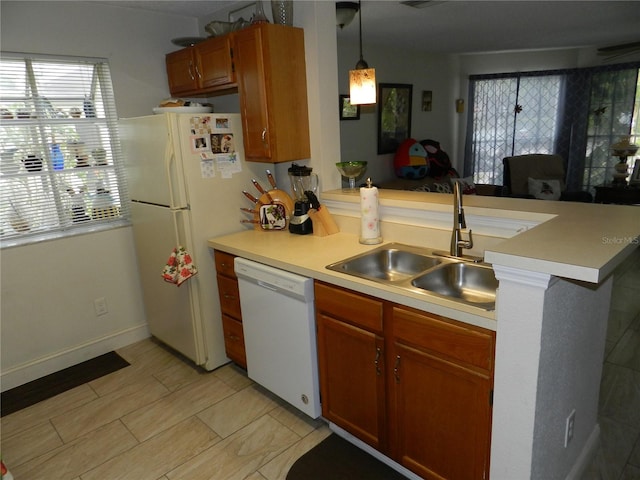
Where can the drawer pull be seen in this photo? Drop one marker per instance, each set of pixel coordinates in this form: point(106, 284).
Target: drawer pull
point(229, 296)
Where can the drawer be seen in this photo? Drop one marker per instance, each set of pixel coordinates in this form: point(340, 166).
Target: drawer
point(229, 296)
point(447, 338)
point(224, 263)
point(355, 308)
point(234, 340)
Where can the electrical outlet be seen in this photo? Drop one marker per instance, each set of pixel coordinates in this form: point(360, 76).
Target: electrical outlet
point(100, 306)
point(569, 427)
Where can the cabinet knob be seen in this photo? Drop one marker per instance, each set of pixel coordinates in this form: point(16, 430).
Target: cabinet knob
point(396, 369)
point(191, 71)
point(264, 135)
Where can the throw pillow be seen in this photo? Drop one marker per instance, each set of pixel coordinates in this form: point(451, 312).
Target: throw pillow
point(467, 187)
point(410, 160)
point(434, 188)
point(438, 160)
point(544, 189)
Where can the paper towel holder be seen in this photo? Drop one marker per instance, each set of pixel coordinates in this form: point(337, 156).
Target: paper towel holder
point(369, 221)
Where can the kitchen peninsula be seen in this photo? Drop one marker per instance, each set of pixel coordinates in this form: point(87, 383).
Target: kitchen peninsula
point(553, 261)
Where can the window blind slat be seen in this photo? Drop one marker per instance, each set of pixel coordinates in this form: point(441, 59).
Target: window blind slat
point(60, 166)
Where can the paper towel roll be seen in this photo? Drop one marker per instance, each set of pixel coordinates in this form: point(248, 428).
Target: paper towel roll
point(369, 220)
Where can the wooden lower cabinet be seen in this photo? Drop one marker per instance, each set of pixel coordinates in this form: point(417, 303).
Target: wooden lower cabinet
point(441, 404)
point(350, 356)
point(419, 390)
point(230, 307)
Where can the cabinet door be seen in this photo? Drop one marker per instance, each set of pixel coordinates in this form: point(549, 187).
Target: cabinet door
point(272, 83)
point(253, 95)
point(442, 414)
point(215, 62)
point(352, 379)
point(181, 71)
point(440, 395)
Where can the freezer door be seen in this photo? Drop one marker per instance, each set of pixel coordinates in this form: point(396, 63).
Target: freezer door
point(171, 310)
point(154, 174)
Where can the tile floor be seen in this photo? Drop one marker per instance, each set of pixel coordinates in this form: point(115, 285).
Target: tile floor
point(161, 419)
point(618, 457)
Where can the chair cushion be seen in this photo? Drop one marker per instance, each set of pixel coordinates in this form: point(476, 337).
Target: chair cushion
point(544, 189)
point(537, 166)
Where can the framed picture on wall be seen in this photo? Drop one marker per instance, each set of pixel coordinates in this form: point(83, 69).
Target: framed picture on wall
point(394, 115)
point(348, 111)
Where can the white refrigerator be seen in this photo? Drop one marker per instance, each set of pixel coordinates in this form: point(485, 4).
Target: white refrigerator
point(185, 175)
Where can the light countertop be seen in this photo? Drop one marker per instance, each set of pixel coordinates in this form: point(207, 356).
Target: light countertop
point(573, 240)
point(583, 242)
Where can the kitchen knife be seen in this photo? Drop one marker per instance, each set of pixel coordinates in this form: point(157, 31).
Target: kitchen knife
point(251, 197)
point(262, 190)
point(272, 180)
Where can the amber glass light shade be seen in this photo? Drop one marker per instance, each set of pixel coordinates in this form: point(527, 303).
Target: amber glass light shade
point(362, 86)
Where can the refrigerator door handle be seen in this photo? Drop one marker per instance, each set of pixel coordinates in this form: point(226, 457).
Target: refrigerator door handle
point(169, 160)
point(183, 224)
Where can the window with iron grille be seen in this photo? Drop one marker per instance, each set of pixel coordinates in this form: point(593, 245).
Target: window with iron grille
point(577, 113)
point(60, 168)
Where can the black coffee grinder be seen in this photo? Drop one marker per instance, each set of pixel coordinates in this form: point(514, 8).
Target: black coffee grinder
point(304, 185)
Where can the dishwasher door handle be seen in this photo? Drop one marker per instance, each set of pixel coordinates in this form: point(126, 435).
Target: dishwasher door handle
point(268, 286)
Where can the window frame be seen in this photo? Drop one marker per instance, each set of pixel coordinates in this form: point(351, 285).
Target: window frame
point(99, 125)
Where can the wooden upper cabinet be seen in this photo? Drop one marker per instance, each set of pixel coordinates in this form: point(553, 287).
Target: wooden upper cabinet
point(272, 86)
point(181, 71)
point(215, 58)
point(203, 69)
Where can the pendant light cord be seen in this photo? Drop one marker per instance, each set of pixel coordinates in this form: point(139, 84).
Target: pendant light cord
point(361, 63)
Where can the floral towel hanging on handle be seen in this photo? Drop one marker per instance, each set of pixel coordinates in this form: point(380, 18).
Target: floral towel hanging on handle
point(179, 267)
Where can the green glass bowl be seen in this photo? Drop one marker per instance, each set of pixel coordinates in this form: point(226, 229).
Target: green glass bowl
point(351, 169)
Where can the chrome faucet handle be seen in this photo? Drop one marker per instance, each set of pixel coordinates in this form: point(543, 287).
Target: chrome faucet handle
point(467, 243)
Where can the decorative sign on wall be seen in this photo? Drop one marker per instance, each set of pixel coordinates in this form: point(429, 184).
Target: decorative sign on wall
point(348, 111)
point(394, 115)
point(427, 98)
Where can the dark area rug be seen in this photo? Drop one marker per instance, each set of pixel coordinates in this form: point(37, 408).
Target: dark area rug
point(51, 385)
point(336, 459)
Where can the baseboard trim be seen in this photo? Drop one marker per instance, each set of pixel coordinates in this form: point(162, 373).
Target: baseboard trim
point(373, 452)
point(586, 456)
point(20, 374)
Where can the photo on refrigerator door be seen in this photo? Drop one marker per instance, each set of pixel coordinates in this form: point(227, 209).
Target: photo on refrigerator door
point(200, 143)
point(222, 143)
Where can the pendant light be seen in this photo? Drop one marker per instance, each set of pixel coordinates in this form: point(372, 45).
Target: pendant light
point(362, 80)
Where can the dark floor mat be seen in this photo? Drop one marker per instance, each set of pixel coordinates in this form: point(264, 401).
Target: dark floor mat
point(51, 385)
point(336, 459)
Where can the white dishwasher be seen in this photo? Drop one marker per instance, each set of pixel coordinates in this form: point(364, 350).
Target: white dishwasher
point(279, 333)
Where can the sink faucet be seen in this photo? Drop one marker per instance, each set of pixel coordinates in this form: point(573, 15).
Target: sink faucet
point(459, 224)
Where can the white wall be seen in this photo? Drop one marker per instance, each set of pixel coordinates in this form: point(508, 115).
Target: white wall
point(48, 319)
point(358, 138)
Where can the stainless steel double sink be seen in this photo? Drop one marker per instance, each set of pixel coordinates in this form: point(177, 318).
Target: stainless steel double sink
point(422, 270)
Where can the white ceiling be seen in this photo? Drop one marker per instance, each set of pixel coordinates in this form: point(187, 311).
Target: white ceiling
point(463, 26)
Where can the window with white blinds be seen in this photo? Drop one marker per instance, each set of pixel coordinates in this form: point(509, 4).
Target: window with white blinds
point(60, 167)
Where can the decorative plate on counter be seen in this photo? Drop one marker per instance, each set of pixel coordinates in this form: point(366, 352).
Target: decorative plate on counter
point(187, 41)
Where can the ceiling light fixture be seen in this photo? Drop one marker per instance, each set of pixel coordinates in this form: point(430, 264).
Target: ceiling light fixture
point(362, 80)
point(345, 11)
